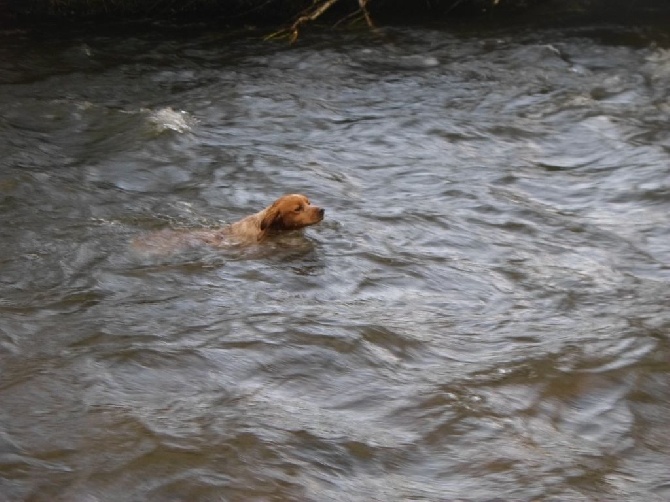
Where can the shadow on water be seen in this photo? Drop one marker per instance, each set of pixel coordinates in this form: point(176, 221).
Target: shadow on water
point(483, 312)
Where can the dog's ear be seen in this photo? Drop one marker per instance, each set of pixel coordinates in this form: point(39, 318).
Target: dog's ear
point(272, 219)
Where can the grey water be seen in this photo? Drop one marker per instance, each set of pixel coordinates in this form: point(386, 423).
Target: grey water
point(483, 314)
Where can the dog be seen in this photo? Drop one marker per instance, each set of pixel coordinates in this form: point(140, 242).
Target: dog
point(289, 212)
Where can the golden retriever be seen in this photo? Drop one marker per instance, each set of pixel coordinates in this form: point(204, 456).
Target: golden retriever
point(289, 212)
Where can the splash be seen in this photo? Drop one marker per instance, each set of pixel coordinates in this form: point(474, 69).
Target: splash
point(167, 119)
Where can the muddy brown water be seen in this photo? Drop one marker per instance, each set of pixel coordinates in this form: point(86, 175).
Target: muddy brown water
point(484, 313)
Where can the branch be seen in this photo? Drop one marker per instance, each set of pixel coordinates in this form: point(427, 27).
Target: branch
point(311, 14)
point(364, 8)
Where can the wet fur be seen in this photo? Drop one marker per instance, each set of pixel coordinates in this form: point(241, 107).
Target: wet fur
point(290, 212)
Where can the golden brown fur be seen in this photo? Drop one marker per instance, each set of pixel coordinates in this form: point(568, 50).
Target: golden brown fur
point(290, 212)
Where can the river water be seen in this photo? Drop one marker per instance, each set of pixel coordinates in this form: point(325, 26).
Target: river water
point(483, 314)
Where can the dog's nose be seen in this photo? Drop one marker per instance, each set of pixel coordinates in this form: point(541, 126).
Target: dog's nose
point(321, 212)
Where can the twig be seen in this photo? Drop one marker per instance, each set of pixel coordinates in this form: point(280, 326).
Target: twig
point(307, 16)
point(453, 6)
point(313, 12)
point(364, 8)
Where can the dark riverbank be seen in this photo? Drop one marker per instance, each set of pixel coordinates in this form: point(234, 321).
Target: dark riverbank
point(284, 11)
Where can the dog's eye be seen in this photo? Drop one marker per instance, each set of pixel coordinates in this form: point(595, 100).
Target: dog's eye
point(298, 209)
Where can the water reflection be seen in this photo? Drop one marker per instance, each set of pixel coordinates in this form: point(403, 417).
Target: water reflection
point(482, 314)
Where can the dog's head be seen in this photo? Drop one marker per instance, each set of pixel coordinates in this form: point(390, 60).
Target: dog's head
point(290, 212)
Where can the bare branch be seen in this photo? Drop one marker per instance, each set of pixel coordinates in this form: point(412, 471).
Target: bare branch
point(312, 13)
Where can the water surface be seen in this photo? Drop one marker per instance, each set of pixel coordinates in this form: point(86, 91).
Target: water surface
point(483, 313)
